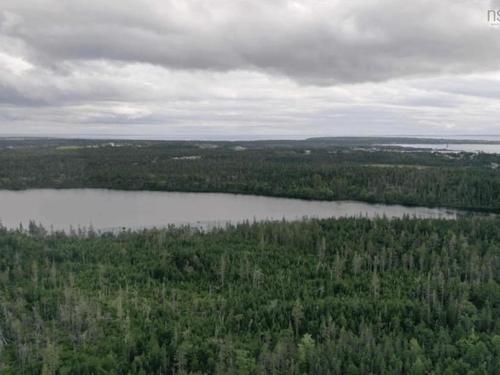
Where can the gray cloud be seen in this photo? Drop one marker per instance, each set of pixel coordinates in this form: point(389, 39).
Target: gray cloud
point(248, 67)
point(321, 42)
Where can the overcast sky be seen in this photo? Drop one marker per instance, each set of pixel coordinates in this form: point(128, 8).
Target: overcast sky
point(248, 69)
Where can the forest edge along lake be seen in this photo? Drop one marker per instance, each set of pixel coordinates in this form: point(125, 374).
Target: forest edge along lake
point(110, 210)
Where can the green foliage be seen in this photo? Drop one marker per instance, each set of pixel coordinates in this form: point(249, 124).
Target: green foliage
point(279, 168)
point(349, 296)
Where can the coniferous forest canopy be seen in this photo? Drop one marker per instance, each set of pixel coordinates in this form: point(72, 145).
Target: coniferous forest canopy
point(323, 168)
point(347, 296)
point(336, 296)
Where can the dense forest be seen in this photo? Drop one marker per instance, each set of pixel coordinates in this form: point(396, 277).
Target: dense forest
point(347, 296)
point(313, 169)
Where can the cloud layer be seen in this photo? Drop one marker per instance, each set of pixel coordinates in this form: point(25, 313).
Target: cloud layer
point(192, 68)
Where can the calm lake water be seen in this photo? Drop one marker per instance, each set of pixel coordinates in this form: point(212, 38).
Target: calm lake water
point(114, 209)
point(458, 147)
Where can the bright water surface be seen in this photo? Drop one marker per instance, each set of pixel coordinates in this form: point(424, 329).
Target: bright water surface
point(458, 147)
point(114, 209)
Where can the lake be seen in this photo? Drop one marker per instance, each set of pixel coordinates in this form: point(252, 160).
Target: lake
point(451, 147)
point(115, 209)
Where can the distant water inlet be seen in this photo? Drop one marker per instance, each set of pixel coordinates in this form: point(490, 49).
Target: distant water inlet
point(113, 209)
point(451, 147)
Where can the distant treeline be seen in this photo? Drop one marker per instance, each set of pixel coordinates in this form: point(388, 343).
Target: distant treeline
point(349, 296)
point(275, 168)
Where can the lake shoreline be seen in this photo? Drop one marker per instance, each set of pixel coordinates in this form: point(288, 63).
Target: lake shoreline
point(409, 204)
point(112, 210)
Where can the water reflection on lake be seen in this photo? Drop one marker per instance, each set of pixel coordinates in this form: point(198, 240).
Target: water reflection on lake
point(112, 209)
